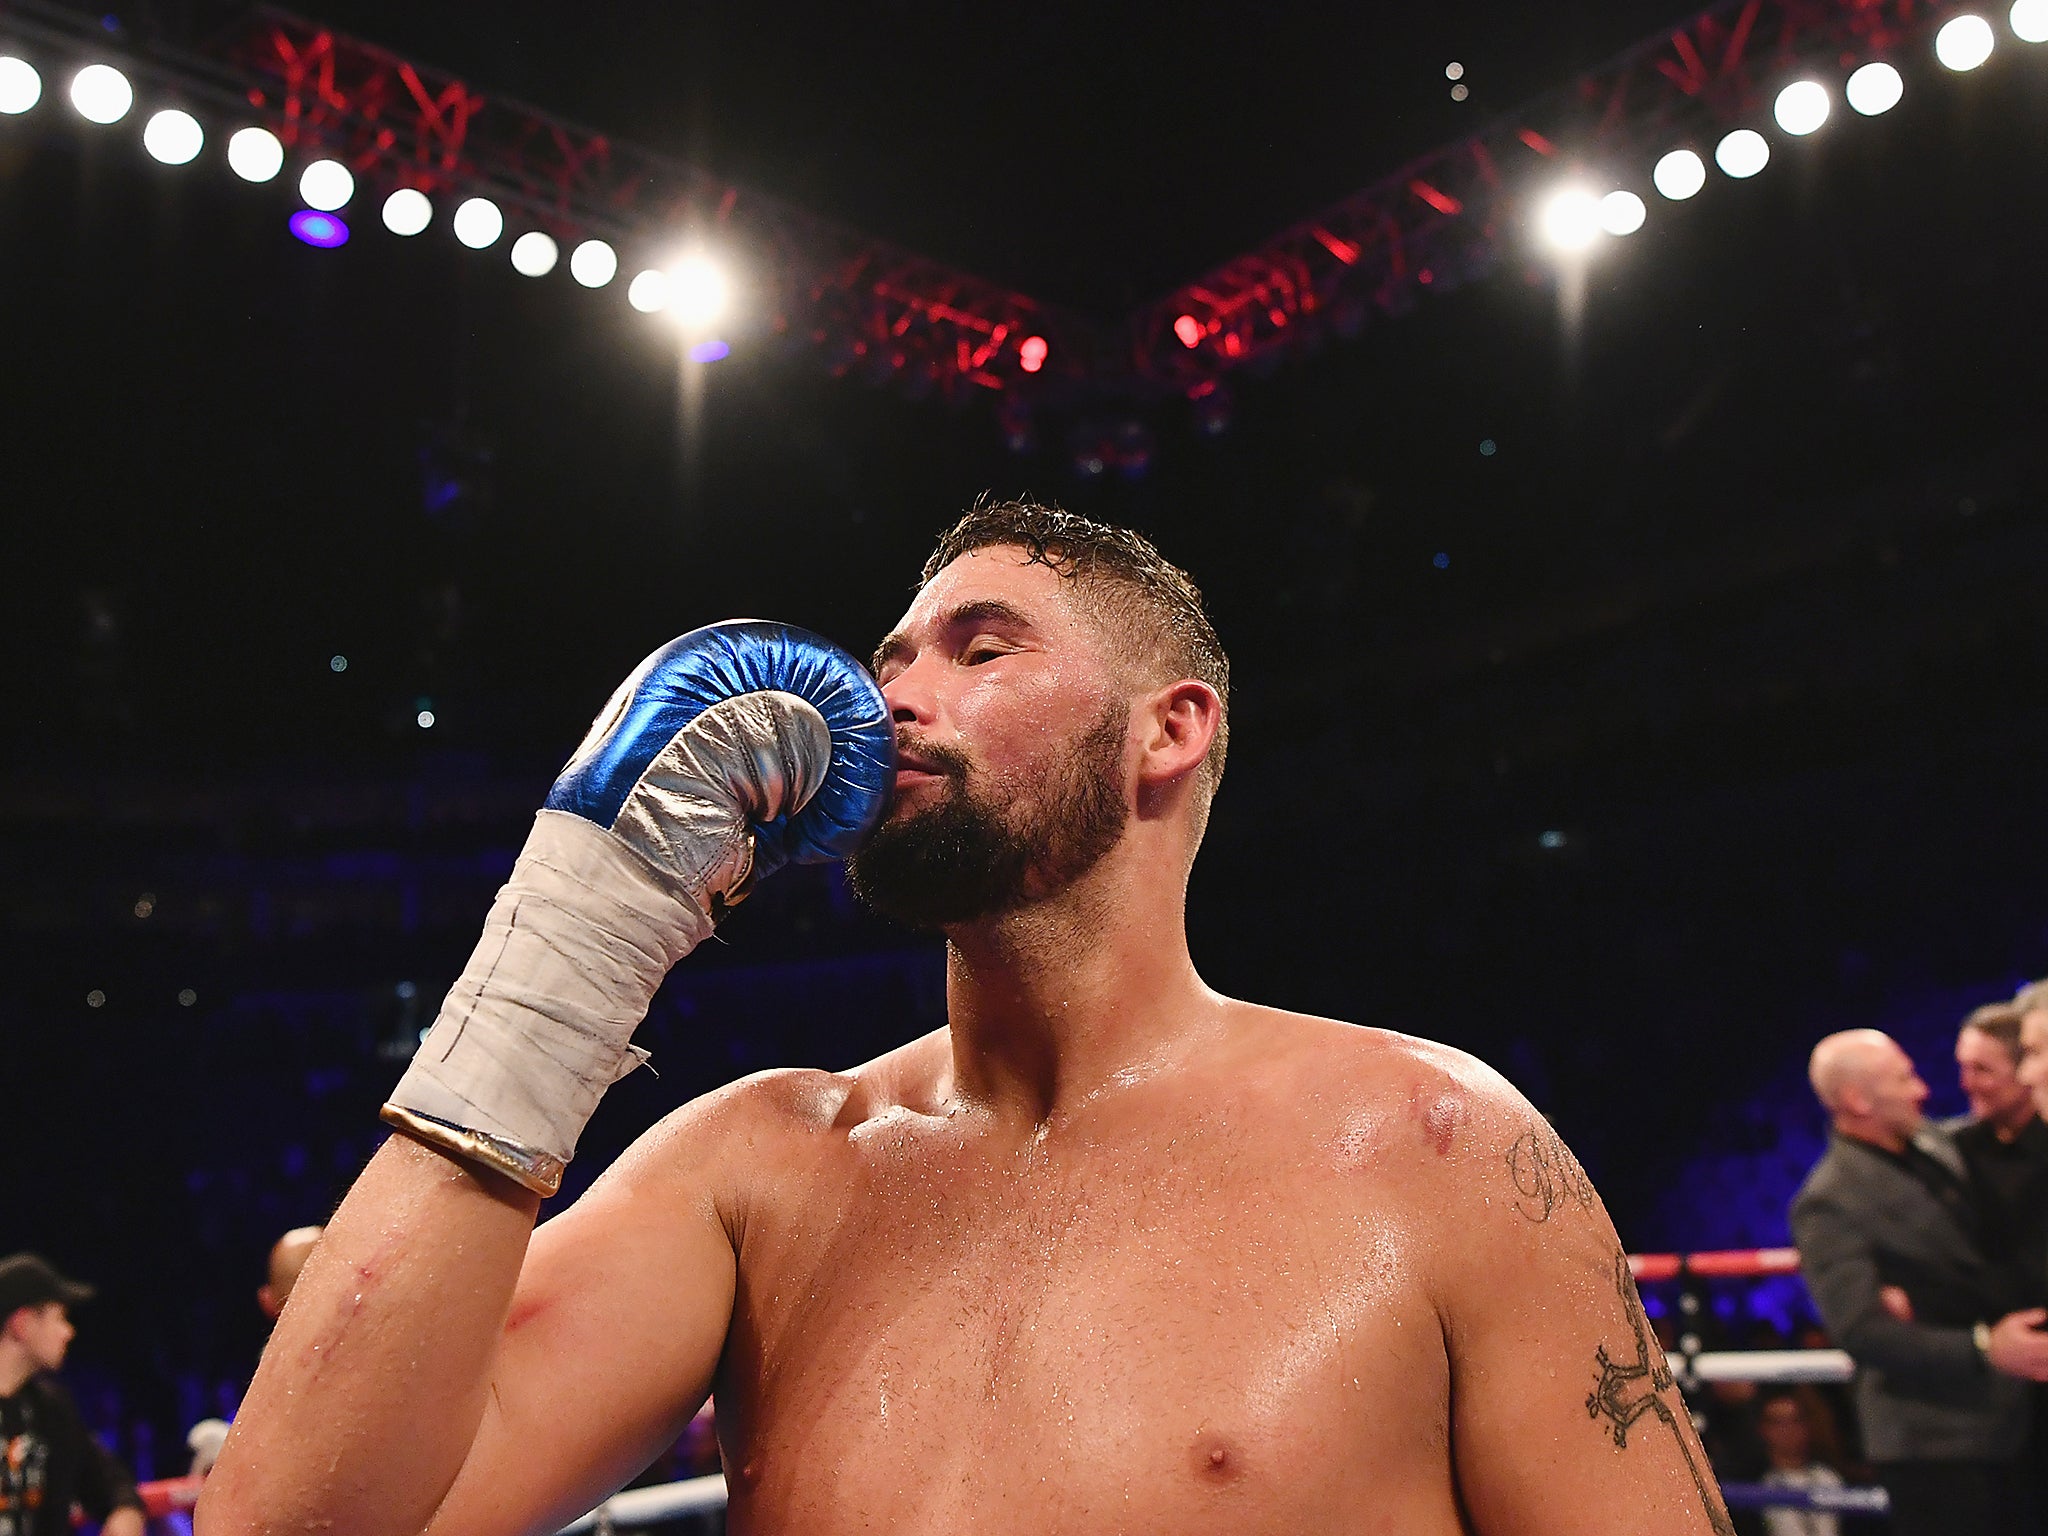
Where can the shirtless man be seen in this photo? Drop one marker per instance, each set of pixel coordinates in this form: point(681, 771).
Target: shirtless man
point(1110, 1253)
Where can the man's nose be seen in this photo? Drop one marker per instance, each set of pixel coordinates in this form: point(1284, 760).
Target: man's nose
point(909, 695)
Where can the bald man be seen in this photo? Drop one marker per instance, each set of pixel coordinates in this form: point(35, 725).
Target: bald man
point(288, 1256)
point(1942, 1398)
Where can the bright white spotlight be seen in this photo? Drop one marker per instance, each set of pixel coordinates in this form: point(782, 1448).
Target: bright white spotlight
point(20, 86)
point(593, 263)
point(534, 254)
point(174, 137)
point(101, 93)
point(697, 291)
point(1622, 213)
point(1801, 107)
point(2030, 20)
point(1679, 175)
point(1743, 153)
point(407, 211)
point(649, 291)
point(326, 185)
point(1874, 88)
point(1569, 219)
point(1963, 42)
point(478, 223)
point(255, 155)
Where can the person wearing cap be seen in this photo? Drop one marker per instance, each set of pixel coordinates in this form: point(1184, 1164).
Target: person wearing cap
point(48, 1460)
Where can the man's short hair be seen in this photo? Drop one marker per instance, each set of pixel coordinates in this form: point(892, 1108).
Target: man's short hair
point(2032, 998)
point(2000, 1021)
point(1133, 589)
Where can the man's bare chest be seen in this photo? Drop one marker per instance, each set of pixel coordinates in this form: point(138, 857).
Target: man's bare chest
point(1206, 1324)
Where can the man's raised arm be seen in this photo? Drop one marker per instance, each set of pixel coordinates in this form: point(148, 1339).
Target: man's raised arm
point(437, 1342)
point(439, 1354)
point(1565, 1419)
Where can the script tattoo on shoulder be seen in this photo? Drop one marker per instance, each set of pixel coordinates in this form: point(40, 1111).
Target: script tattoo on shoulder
point(1546, 1175)
point(1630, 1390)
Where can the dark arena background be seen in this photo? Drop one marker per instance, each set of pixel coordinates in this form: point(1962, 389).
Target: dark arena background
point(1640, 637)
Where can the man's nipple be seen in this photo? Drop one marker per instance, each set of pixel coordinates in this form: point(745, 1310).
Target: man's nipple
point(1216, 1460)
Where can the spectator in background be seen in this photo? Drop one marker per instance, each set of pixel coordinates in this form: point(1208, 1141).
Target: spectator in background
point(2005, 1144)
point(2031, 1004)
point(288, 1256)
point(48, 1461)
point(1785, 1422)
point(1942, 1399)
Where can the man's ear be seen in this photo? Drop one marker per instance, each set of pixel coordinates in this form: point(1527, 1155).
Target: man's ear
point(266, 1298)
point(1177, 725)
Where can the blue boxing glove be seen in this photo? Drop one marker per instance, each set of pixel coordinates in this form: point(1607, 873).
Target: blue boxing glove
point(728, 752)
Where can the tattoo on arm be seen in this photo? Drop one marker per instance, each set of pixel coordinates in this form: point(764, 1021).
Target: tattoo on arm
point(1546, 1175)
point(1629, 1390)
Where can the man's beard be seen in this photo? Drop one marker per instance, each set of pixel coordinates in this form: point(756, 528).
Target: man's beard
point(973, 855)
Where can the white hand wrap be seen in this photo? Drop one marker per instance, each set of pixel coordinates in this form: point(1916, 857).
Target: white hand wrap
point(578, 940)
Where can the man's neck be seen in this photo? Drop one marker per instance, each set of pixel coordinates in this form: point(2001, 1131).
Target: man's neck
point(15, 1367)
point(2011, 1126)
point(1051, 1003)
point(1883, 1137)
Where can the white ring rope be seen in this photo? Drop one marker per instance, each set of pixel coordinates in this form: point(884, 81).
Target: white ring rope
point(651, 1506)
point(1769, 1366)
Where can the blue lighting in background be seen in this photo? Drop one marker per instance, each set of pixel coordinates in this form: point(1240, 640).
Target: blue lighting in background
point(321, 229)
point(709, 351)
point(1442, 561)
point(1487, 447)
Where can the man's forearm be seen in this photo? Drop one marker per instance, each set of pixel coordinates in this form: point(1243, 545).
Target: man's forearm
point(369, 1395)
point(1914, 1353)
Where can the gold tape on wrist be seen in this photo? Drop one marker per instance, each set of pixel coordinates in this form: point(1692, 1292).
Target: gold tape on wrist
point(538, 1171)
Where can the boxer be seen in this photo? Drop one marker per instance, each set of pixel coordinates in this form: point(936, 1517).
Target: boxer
point(1109, 1253)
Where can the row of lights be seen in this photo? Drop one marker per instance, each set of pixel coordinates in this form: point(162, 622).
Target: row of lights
point(97, 997)
point(694, 290)
point(1572, 219)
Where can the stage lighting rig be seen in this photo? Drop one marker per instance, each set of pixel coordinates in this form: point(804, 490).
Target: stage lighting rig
point(102, 94)
point(20, 86)
point(408, 211)
point(1743, 153)
point(478, 223)
point(534, 254)
point(346, 117)
point(1802, 107)
point(1569, 221)
point(1964, 42)
point(1874, 88)
point(254, 154)
point(173, 137)
point(326, 185)
point(593, 263)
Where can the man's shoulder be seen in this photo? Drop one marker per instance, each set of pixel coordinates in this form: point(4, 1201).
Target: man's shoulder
point(784, 1107)
point(49, 1394)
point(1851, 1171)
point(1368, 1058)
point(1400, 1091)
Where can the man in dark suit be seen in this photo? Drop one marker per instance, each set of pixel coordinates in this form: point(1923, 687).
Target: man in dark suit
point(2004, 1142)
point(1942, 1398)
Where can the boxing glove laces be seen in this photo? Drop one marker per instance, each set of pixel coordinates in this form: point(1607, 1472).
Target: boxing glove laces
point(733, 750)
